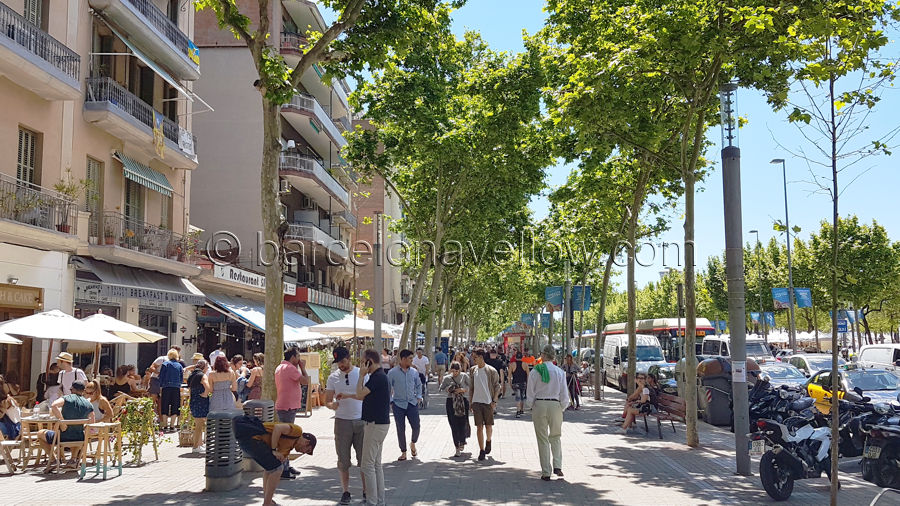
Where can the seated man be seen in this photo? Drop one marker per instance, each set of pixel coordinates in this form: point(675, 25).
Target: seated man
point(72, 406)
point(270, 450)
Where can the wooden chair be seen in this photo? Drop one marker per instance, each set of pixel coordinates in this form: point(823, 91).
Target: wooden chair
point(6, 448)
point(59, 447)
point(313, 399)
point(25, 399)
point(108, 436)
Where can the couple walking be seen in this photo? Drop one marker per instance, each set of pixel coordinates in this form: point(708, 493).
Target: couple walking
point(476, 391)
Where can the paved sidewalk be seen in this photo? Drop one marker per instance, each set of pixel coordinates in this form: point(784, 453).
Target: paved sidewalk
point(601, 467)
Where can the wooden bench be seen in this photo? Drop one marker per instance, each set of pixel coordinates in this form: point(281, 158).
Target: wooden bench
point(670, 408)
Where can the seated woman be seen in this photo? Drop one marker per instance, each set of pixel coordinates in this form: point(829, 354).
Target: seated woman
point(640, 406)
point(103, 411)
point(10, 416)
point(125, 382)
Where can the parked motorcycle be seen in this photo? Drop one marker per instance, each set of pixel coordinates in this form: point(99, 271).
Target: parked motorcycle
point(794, 450)
point(881, 452)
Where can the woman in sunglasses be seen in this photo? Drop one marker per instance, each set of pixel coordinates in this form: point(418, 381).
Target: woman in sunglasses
point(639, 406)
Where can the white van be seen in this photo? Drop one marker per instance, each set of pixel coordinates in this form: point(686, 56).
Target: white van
point(615, 357)
point(757, 349)
point(879, 355)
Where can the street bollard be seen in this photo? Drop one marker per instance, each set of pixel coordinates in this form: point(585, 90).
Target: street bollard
point(223, 455)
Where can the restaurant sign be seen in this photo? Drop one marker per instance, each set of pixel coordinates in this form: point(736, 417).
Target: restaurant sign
point(24, 297)
point(98, 292)
point(247, 278)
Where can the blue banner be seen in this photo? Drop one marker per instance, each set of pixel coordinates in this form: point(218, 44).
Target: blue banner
point(842, 325)
point(545, 320)
point(721, 325)
point(803, 297)
point(781, 298)
point(754, 317)
point(528, 319)
point(770, 319)
point(554, 296)
point(581, 299)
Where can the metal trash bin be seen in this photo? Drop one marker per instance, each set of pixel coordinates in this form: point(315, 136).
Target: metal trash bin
point(223, 455)
point(265, 411)
point(714, 392)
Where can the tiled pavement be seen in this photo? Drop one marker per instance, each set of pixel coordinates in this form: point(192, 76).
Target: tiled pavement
point(601, 467)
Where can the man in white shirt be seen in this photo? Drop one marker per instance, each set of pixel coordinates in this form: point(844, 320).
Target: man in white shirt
point(548, 397)
point(67, 373)
point(348, 424)
point(420, 362)
point(483, 395)
point(217, 352)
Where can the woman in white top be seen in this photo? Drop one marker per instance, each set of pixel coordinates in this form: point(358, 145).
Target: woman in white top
point(103, 411)
point(632, 411)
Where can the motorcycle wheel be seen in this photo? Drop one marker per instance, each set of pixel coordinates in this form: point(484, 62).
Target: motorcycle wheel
point(777, 480)
point(886, 470)
point(866, 467)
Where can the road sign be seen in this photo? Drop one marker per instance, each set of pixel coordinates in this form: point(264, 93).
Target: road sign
point(842, 325)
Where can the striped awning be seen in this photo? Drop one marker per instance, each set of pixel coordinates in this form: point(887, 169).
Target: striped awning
point(145, 176)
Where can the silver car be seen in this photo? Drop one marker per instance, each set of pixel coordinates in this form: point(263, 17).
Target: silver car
point(811, 363)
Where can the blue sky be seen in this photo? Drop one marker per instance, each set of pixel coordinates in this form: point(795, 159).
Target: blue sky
point(870, 195)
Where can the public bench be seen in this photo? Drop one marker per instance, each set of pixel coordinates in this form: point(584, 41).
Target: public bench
point(670, 408)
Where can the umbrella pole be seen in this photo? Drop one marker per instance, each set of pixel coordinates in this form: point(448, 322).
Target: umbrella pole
point(96, 360)
point(49, 354)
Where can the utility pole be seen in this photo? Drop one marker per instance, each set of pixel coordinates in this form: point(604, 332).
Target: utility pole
point(567, 309)
point(734, 268)
point(787, 229)
point(378, 296)
point(762, 314)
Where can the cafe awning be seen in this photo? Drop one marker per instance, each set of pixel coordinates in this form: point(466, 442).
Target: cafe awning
point(253, 312)
point(145, 176)
point(327, 314)
point(114, 280)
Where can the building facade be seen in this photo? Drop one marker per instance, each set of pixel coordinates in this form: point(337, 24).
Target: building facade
point(96, 159)
point(317, 186)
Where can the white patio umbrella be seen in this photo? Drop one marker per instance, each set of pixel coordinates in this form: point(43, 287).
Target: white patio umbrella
point(345, 327)
point(303, 335)
point(124, 330)
point(5, 339)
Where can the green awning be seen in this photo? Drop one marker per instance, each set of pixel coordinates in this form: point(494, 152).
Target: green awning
point(327, 314)
point(145, 176)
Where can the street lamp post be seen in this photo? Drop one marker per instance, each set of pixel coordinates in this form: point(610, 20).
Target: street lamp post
point(762, 314)
point(787, 228)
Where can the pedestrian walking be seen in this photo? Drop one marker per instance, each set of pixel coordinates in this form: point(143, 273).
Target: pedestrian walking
point(199, 403)
point(376, 401)
point(548, 397)
point(519, 378)
point(171, 374)
point(224, 384)
point(406, 389)
point(348, 424)
point(457, 386)
point(440, 364)
point(290, 376)
point(572, 371)
point(483, 395)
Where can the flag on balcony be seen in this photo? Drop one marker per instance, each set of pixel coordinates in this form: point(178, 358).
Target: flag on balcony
point(193, 52)
point(159, 140)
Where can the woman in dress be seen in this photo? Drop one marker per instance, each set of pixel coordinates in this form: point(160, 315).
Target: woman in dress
point(256, 374)
point(224, 383)
point(572, 371)
point(198, 382)
point(103, 411)
point(456, 385)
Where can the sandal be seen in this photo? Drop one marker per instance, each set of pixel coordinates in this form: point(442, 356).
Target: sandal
point(414, 452)
point(402, 458)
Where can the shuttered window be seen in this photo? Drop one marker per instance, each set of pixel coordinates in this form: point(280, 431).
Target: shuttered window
point(134, 201)
point(165, 213)
point(27, 155)
point(32, 12)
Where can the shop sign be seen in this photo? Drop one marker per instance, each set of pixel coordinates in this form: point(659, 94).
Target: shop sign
point(99, 292)
point(247, 278)
point(24, 297)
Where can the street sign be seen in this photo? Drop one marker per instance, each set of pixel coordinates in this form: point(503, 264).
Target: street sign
point(554, 295)
point(842, 325)
point(581, 299)
point(781, 298)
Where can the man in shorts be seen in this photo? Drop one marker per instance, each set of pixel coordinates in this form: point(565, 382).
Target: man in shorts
point(72, 406)
point(440, 364)
point(348, 424)
point(483, 395)
point(270, 450)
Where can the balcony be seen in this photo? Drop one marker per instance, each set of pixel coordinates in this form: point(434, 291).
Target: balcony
point(305, 231)
point(291, 46)
point(308, 175)
point(133, 242)
point(343, 123)
point(151, 31)
point(345, 218)
point(313, 122)
point(34, 60)
point(111, 107)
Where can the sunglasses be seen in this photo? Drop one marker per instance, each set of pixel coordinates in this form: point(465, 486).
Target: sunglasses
point(347, 378)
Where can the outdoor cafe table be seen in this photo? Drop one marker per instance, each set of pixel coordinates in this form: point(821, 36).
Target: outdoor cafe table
point(30, 427)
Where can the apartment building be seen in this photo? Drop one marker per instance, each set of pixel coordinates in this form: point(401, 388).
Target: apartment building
point(316, 184)
point(96, 160)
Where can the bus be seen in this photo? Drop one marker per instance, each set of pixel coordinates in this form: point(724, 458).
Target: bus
point(668, 331)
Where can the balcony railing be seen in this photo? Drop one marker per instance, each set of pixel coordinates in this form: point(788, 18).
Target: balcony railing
point(306, 102)
point(313, 166)
point(343, 123)
point(161, 22)
point(305, 231)
point(33, 205)
point(291, 42)
point(38, 42)
point(348, 217)
point(124, 232)
point(105, 89)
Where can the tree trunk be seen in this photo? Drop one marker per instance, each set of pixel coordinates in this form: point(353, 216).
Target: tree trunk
point(632, 304)
point(835, 419)
point(435, 301)
point(271, 217)
point(690, 315)
point(600, 338)
point(415, 301)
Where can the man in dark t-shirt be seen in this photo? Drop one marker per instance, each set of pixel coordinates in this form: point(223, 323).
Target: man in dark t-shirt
point(376, 408)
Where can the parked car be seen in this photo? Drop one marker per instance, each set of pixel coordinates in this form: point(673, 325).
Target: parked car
point(878, 384)
point(757, 349)
point(782, 373)
point(665, 376)
point(886, 356)
point(586, 355)
point(615, 357)
point(811, 363)
point(783, 355)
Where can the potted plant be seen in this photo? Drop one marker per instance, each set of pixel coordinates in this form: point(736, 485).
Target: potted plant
point(109, 234)
point(127, 239)
point(186, 430)
point(71, 190)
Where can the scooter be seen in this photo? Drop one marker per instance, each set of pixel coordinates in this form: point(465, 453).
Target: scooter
point(881, 454)
point(790, 451)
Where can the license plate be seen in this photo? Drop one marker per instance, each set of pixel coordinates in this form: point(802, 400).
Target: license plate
point(872, 452)
point(757, 447)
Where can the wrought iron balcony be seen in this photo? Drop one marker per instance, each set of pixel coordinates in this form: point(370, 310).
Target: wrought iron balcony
point(291, 42)
point(125, 232)
point(347, 217)
point(33, 205)
point(38, 42)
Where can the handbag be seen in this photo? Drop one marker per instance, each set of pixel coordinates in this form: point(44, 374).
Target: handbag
point(459, 403)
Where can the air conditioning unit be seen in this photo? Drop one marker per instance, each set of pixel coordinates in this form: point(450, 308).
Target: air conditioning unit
point(284, 186)
point(308, 203)
point(291, 144)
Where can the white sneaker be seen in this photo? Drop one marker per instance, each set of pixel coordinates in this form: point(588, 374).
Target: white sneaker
point(199, 449)
point(458, 453)
point(622, 431)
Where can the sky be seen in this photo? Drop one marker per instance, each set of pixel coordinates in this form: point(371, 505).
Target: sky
point(766, 136)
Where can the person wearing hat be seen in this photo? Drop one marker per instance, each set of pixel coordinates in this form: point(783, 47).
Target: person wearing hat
point(547, 397)
point(340, 395)
point(67, 373)
point(72, 406)
point(271, 450)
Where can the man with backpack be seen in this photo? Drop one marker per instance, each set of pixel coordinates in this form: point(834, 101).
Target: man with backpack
point(269, 444)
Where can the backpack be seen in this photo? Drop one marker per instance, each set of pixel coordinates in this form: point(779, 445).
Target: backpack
point(246, 427)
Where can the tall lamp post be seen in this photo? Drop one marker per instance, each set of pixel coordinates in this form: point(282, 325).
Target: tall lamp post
point(787, 228)
point(762, 314)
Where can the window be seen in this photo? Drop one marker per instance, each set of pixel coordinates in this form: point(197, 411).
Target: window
point(724, 349)
point(798, 363)
point(710, 347)
point(92, 202)
point(172, 11)
point(165, 213)
point(170, 102)
point(134, 201)
point(824, 379)
point(32, 12)
point(27, 161)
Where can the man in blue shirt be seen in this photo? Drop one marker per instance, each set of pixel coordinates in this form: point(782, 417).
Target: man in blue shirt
point(406, 388)
point(440, 364)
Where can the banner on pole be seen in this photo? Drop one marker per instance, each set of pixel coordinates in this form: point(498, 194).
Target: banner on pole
point(545, 320)
point(781, 298)
point(554, 296)
point(770, 319)
point(803, 297)
point(581, 299)
point(722, 325)
point(528, 319)
point(754, 317)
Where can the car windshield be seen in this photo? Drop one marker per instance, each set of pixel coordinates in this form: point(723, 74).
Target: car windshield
point(666, 373)
point(757, 349)
point(644, 354)
point(822, 363)
point(871, 379)
point(784, 372)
